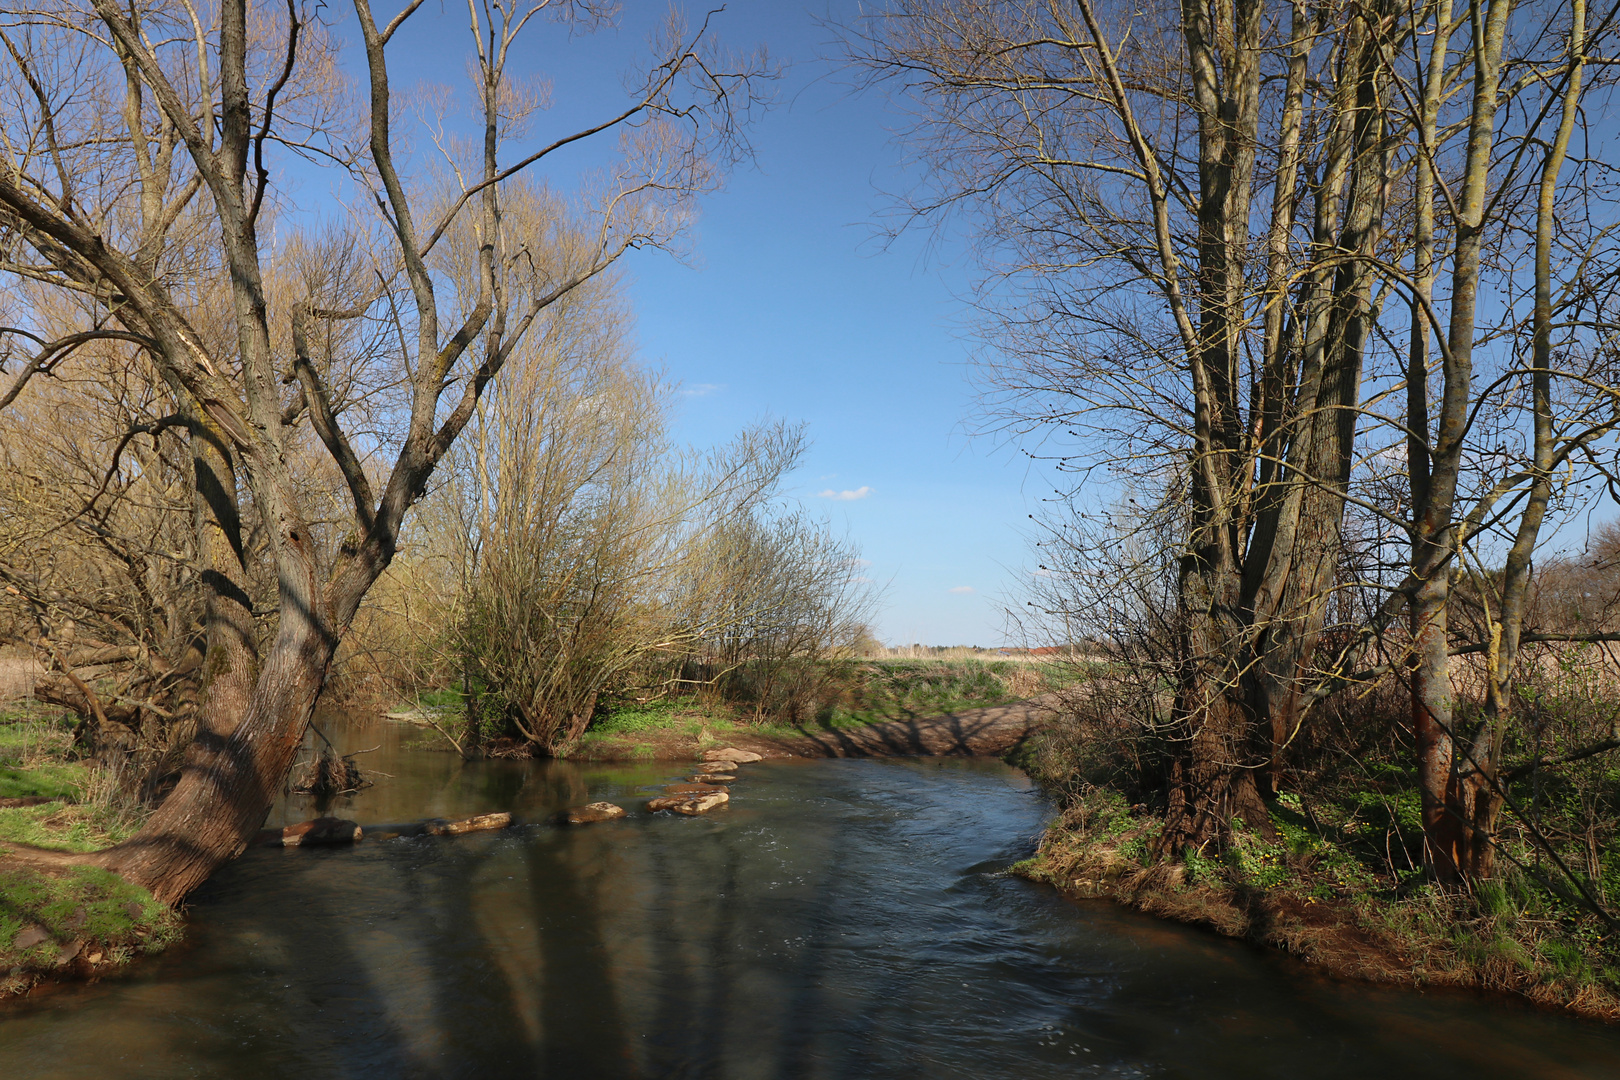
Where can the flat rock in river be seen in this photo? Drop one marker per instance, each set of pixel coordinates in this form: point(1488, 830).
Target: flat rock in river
point(690, 804)
point(710, 778)
point(481, 823)
point(699, 788)
point(591, 812)
point(322, 830)
point(731, 753)
point(702, 804)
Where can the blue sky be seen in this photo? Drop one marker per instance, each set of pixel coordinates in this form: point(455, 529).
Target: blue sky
point(792, 309)
point(797, 310)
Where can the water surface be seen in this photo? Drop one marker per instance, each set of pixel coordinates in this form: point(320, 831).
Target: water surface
point(839, 919)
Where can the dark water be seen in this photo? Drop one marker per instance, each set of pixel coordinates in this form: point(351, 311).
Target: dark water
point(839, 919)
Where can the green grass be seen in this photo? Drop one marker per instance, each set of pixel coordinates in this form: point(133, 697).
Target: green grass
point(651, 716)
point(84, 814)
point(880, 690)
point(838, 694)
point(64, 781)
point(65, 826)
point(31, 731)
point(114, 920)
point(857, 693)
point(1513, 932)
point(110, 920)
point(440, 700)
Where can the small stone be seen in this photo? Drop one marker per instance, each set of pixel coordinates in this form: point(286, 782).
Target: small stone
point(717, 766)
point(731, 753)
point(30, 937)
point(592, 812)
point(692, 789)
point(94, 958)
point(710, 778)
point(69, 951)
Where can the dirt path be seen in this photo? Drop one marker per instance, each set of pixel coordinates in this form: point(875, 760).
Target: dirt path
point(991, 732)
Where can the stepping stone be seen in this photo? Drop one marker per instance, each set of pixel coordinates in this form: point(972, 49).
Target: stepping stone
point(323, 830)
point(691, 805)
point(731, 753)
point(481, 823)
point(592, 812)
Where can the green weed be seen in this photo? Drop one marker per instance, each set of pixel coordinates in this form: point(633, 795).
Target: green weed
point(113, 918)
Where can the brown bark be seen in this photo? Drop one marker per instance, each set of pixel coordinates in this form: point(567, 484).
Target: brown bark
point(1211, 763)
point(1292, 561)
point(1446, 812)
point(229, 666)
point(1478, 788)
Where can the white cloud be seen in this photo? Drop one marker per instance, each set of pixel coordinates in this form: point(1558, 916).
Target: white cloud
point(845, 496)
point(961, 588)
point(702, 389)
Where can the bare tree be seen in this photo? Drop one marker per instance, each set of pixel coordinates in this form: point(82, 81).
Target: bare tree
point(122, 121)
point(1181, 204)
point(1234, 257)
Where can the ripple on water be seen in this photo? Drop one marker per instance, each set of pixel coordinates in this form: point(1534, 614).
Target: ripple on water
point(838, 919)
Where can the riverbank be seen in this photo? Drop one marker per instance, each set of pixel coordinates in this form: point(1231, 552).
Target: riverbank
point(60, 921)
point(992, 731)
point(1317, 902)
point(683, 735)
point(841, 708)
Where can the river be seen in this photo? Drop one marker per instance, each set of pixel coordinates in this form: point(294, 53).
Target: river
point(847, 918)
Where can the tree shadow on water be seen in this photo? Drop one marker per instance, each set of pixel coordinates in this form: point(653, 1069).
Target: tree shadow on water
point(313, 1005)
point(478, 1014)
point(582, 1030)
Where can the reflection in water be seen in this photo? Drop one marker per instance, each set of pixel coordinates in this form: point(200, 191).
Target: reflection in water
point(838, 919)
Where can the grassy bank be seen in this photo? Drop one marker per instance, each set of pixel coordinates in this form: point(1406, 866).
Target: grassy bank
point(838, 694)
point(65, 921)
point(873, 691)
point(1328, 886)
point(827, 694)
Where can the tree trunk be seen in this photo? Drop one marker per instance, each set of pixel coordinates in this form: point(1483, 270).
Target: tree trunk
point(1212, 766)
point(230, 661)
point(1481, 802)
point(1446, 813)
point(228, 784)
point(1432, 717)
point(1292, 565)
